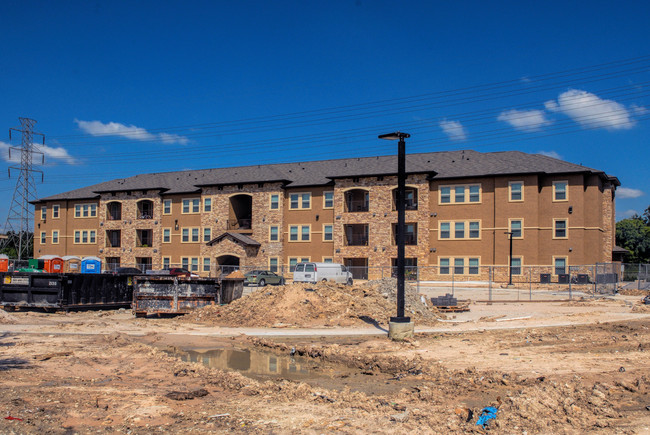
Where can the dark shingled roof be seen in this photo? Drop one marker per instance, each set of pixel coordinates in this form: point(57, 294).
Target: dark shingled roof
point(441, 165)
point(242, 238)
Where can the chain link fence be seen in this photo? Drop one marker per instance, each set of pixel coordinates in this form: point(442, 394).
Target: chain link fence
point(463, 281)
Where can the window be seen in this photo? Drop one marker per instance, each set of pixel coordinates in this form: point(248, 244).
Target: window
point(560, 229)
point(445, 195)
point(275, 201)
point(144, 238)
point(114, 211)
point(560, 191)
point(292, 264)
point(167, 206)
point(85, 210)
point(43, 237)
point(185, 263)
point(166, 263)
point(516, 190)
point(194, 265)
point(445, 231)
point(206, 265)
point(515, 265)
point(560, 265)
point(44, 213)
point(207, 204)
point(328, 233)
point(444, 266)
point(81, 237)
point(459, 266)
point(185, 235)
point(300, 201)
point(462, 230)
point(274, 234)
point(207, 234)
point(516, 228)
point(113, 238)
point(195, 235)
point(167, 235)
point(328, 260)
point(273, 264)
point(328, 199)
point(55, 211)
point(92, 236)
point(190, 235)
point(459, 230)
point(473, 266)
point(299, 233)
point(474, 230)
point(410, 233)
point(460, 194)
point(191, 206)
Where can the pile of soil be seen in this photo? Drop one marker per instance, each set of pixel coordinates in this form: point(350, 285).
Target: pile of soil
point(317, 305)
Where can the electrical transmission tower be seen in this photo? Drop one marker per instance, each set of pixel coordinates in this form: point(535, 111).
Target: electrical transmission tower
point(21, 216)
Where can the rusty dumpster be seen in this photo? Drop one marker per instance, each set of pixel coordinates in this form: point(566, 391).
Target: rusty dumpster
point(156, 294)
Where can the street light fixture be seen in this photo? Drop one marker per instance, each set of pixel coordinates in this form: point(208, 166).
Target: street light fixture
point(400, 326)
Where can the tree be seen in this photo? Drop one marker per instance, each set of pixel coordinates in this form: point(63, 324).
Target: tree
point(9, 247)
point(633, 234)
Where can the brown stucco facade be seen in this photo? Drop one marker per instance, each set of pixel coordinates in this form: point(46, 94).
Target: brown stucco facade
point(560, 218)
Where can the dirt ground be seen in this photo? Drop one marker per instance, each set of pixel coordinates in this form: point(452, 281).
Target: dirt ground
point(573, 367)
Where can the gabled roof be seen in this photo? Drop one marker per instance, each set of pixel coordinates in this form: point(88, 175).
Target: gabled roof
point(241, 238)
point(438, 165)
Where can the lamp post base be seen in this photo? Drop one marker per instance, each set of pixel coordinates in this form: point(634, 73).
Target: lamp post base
point(400, 328)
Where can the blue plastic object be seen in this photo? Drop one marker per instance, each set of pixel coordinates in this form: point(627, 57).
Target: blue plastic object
point(487, 414)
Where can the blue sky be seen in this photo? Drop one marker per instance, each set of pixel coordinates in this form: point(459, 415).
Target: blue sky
point(121, 88)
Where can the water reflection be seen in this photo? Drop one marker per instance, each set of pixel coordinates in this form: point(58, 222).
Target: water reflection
point(253, 363)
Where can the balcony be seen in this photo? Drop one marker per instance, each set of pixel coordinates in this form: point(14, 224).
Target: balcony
point(357, 201)
point(113, 211)
point(410, 235)
point(356, 235)
point(239, 224)
point(145, 209)
point(240, 213)
point(144, 238)
point(410, 199)
point(113, 238)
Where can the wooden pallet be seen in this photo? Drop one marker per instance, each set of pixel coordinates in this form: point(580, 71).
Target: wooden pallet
point(453, 309)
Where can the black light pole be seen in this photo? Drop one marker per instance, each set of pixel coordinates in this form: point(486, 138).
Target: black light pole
point(401, 217)
point(509, 233)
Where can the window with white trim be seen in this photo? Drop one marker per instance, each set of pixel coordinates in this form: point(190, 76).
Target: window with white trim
point(207, 234)
point(516, 191)
point(43, 213)
point(191, 206)
point(207, 204)
point(460, 194)
point(462, 230)
point(167, 206)
point(515, 265)
point(328, 199)
point(55, 237)
point(273, 264)
point(517, 228)
point(55, 211)
point(43, 237)
point(559, 265)
point(85, 210)
point(300, 201)
point(560, 229)
point(274, 201)
point(328, 233)
point(274, 233)
point(560, 191)
point(84, 237)
point(206, 264)
point(167, 235)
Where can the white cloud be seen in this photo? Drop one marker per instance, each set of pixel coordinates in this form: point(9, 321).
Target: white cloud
point(589, 110)
point(98, 128)
point(58, 153)
point(453, 129)
point(626, 214)
point(550, 154)
point(626, 192)
point(525, 120)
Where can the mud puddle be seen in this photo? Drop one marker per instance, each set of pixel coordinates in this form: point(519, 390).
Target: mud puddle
point(268, 366)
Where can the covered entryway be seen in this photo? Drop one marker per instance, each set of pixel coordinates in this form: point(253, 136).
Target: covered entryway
point(227, 263)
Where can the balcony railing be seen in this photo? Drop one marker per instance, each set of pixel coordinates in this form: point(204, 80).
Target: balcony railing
point(356, 240)
point(353, 206)
point(239, 224)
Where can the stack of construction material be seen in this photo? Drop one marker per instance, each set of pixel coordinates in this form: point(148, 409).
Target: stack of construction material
point(447, 300)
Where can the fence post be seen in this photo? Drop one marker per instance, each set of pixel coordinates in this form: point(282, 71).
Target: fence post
point(453, 274)
point(417, 277)
point(530, 283)
point(490, 286)
point(570, 283)
point(638, 278)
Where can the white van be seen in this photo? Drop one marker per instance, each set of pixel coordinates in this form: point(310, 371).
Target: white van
point(315, 272)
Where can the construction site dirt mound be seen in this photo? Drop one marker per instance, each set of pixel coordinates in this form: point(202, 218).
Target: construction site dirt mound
point(317, 305)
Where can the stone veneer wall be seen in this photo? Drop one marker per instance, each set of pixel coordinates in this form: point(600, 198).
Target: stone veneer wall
point(262, 218)
point(128, 226)
point(380, 218)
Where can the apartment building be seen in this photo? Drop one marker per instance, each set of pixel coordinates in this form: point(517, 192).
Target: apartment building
point(459, 206)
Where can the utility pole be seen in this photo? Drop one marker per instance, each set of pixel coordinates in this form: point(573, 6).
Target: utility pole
point(20, 216)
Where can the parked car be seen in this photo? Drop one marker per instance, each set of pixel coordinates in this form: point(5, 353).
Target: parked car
point(262, 278)
point(127, 271)
point(182, 272)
